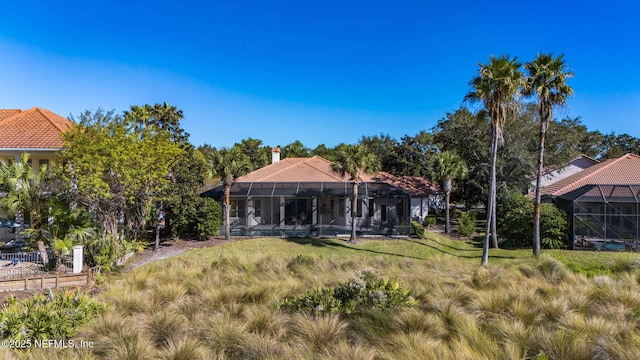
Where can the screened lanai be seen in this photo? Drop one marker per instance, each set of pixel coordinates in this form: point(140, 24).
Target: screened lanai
point(603, 217)
point(315, 208)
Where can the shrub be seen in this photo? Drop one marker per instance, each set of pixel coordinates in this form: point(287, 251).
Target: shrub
point(430, 221)
point(366, 291)
point(467, 224)
point(515, 221)
point(199, 218)
point(47, 317)
point(417, 230)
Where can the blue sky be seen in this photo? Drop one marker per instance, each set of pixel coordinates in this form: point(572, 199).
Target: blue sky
point(315, 71)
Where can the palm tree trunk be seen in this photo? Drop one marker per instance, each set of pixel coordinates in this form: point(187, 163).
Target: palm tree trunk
point(354, 206)
point(491, 200)
point(447, 226)
point(537, 251)
point(227, 204)
point(36, 224)
point(494, 220)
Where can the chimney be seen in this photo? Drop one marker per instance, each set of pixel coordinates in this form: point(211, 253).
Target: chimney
point(275, 155)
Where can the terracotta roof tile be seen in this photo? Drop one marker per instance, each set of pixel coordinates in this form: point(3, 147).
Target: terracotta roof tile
point(8, 113)
point(618, 171)
point(35, 128)
point(318, 169)
point(314, 169)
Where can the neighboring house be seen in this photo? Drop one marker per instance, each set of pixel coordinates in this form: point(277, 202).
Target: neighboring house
point(575, 165)
point(425, 195)
point(602, 204)
point(35, 131)
point(303, 196)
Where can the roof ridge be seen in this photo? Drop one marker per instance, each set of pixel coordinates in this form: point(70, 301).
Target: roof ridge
point(20, 112)
point(54, 123)
point(281, 170)
point(605, 164)
point(332, 174)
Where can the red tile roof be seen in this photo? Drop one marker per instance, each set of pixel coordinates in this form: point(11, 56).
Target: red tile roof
point(618, 171)
point(35, 128)
point(314, 169)
point(318, 169)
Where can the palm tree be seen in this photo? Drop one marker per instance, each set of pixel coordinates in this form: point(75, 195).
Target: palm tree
point(448, 166)
point(228, 164)
point(496, 87)
point(354, 161)
point(547, 80)
point(25, 191)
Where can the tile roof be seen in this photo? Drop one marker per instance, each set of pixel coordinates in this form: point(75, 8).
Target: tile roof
point(314, 169)
point(318, 169)
point(35, 128)
point(618, 171)
point(412, 185)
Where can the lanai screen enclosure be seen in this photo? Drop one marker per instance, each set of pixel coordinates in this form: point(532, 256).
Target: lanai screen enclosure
point(315, 208)
point(603, 217)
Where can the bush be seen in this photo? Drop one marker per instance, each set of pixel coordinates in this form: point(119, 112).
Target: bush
point(197, 218)
point(417, 230)
point(47, 317)
point(467, 224)
point(430, 221)
point(366, 291)
point(515, 222)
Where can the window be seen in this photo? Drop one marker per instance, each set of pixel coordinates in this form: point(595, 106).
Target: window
point(371, 208)
point(236, 208)
point(359, 208)
point(383, 212)
point(341, 207)
point(43, 162)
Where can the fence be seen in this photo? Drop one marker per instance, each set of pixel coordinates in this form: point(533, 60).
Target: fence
point(26, 264)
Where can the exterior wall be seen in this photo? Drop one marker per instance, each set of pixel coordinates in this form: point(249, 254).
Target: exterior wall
point(573, 167)
point(37, 157)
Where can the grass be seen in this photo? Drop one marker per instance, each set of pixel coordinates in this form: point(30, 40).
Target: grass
point(223, 302)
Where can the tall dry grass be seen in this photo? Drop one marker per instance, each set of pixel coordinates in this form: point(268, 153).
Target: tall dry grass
point(226, 307)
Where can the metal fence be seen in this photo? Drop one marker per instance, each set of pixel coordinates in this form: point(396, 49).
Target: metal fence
point(23, 264)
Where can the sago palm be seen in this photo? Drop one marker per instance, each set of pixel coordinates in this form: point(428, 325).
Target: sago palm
point(547, 81)
point(496, 86)
point(228, 164)
point(448, 166)
point(353, 161)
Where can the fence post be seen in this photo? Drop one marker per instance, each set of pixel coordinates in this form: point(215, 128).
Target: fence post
point(77, 259)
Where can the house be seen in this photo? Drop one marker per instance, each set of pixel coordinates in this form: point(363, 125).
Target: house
point(575, 165)
point(602, 204)
point(35, 131)
point(304, 197)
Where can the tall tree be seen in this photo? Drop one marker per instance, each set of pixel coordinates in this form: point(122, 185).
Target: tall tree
point(118, 167)
point(227, 164)
point(26, 191)
point(354, 161)
point(259, 155)
point(547, 81)
point(473, 148)
point(447, 167)
point(496, 86)
point(296, 150)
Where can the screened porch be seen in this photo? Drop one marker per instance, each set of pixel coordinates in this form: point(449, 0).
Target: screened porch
point(603, 217)
point(315, 209)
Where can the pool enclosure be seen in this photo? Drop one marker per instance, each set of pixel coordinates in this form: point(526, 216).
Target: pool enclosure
point(603, 217)
point(315, 209)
